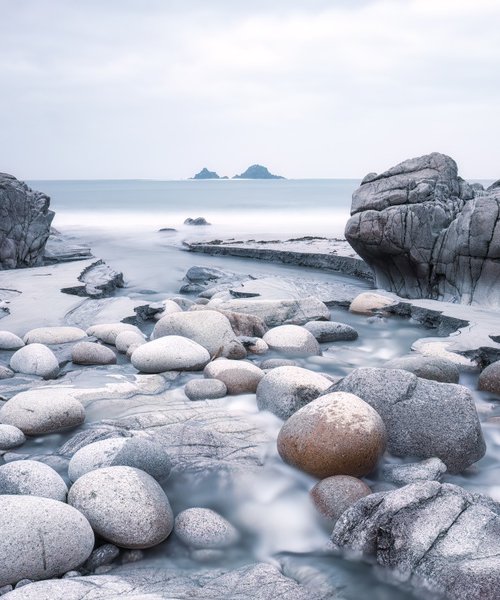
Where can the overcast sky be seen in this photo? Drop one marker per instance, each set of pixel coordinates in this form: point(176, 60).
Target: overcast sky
point(311, 88)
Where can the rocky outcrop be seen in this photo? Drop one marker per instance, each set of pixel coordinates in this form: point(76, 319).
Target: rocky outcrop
point(437, 537)
point(25, 221)
point(427, 233)
point(257, 172)
point(206, 174)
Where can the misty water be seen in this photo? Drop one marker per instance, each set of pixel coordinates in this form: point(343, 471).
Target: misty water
point(120, 221)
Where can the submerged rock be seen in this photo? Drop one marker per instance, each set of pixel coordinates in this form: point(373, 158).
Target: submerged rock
point(436, 537)
point(284, 390)
point(423, 418)
point(431, 469)
point(334, 495)
point(305, 440)
point(32, 478)
point(25, 221)
point(293, 340)
point(124, 506)
point(35, 359)
point(98, 280)
point(196, 221)
point(204, 528)
point(330, 331)
point(426, 234)
point(170, 353)
point(41, 538)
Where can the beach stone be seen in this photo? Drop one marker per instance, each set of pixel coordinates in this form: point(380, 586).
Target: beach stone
point(431, 469)
point(424, 419)
point(167, 307)
point(54, 335)
point(125, 339)
point(92, 353)
point(427, 367)
point(292, 339)
point(489, 379)
point(274, 363)
point(41, 410)
point(35, 359)
point(108, 332)
point(437, 538)
point(239, 376)
point(204, 528)
point(131, 349)
point(11, 437)
point(277, 312)
point(25, 221)
point(32, 478)
point(242, 324)
point(10, 341)
point(334, 495)
point(330, 331)
point(209, 328)
point(5, 372)
point(125, 506)
point(170, 353)
point(41, 538)
point(305, 440)
point(284, 390)
point(101, 557)
point(254, 345)
point(138, 452)
point(368, 303)
point(205, 389)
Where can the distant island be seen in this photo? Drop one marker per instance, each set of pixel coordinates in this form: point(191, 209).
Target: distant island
point(257, 172)
point(253, 172)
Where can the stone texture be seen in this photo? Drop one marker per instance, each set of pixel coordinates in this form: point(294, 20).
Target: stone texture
point(108, 332)
point(170, 353)
point(41, 410)
point(91, 353)
point(5, 372)
point(138, 452)
point(437, 537)
point(209, 328)
point(32, 478)
point(205, 389)
point(11, 437)
point(124, 506)
point(239, 376)
point(100, 557)
point(35, 359)
point(334, 495)
point(426, 233)
point(25, 221)
point(54, 335)
point(254, 345)
point(98, 280)
point(274, 363)
point(305, 440)
point(423, 418)
point(368, 303)
point(330, 331)
point(431, 469)
point(489, 379)
point(204, 528)
point(41, 538)
point(10, 341)
point(125, 339)
point(434, 368)
point(293, 340)
point(284, 390)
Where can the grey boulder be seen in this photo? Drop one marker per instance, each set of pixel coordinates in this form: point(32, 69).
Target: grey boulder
point(423, 418)
point(205, 389)
point(41, 538)
point(436, 537)
point(35, 359)
point(11, 437)
point(489, 379)
point(204, 528)
point(239, 376)
point(125, 506)
point(284, 390)
point(170, 353)
point(32, 478)
point(54, 335)
point(434, 368)
point(25, 221)
point(293, 340)
point(330, 331)
point(91, 353)
point(430, 469)
point(108, 332)
point(5, 372)
point(10, 341)
point(138, 452)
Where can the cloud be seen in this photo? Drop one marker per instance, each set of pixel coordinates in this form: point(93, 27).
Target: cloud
point(154, 88)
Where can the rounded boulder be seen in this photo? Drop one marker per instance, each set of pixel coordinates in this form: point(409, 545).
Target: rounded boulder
point(41, 538)
point(334, 495)
point(433, 368)
point(11, 437)
point(32, 478)
point(10, 341)
point(125, 506)
point(284, 390)
point(204, 528)
point(368, 303)
point(239, 376)
point(137, 452)
point(108, 332)
point(330, 331)
point(126, 339)
point(205, 389)
point(35, 359)
point(337, 434)
point(489, 379)
point(54, 335)
point(91, 353)
point(170, 353)
point(292, 339)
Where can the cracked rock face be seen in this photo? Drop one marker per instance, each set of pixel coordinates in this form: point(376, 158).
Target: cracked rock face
point(25, 221)
point(437, 537)
point(427, 233)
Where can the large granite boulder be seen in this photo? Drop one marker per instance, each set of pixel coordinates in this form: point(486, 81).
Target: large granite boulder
point(437, 537)
point(427, 233)
point(25, 221)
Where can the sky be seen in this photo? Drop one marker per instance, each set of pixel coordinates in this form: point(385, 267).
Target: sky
point(125, 89)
